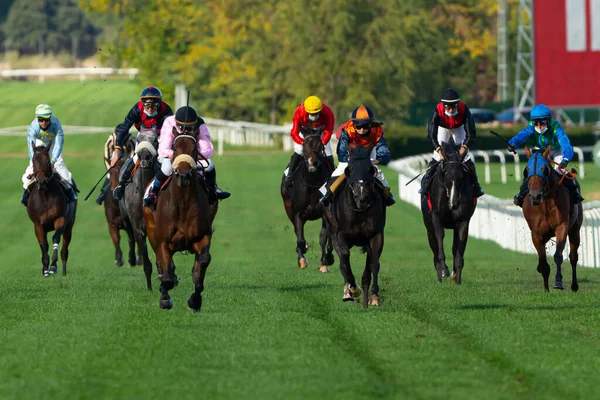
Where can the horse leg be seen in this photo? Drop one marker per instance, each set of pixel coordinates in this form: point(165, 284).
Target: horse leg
point(140, 239)
point(461, 235)
point(132, 258)
point(113, 230)
point(202, 260)
point(435, 235)
point(374, 251)
point(64, 251)
point(351, 290)
point(40, 234)
point(301, 245)
point(561, 242)
point(574, 241)
point(59, 228)
point(543, 266)
point(163, 254)
point(326, 248)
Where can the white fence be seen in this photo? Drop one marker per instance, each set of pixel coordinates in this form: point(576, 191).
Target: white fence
point(503, 222)
point(81, 72)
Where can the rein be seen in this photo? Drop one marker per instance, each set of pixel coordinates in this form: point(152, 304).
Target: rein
point(565, 173)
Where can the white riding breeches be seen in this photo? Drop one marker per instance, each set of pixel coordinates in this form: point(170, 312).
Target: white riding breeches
point(166, 166)
point(458, 134)
point(59, 167)
point(557, 156)
point(340, 170)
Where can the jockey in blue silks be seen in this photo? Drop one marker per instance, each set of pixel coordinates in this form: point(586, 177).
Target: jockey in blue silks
point(46, 130)
point(548, 132)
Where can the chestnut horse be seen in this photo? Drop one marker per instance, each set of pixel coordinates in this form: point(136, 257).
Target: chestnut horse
point(49, 210)
point(182, 221)
point(301, 198)
point(114, 219)
point(550, 213)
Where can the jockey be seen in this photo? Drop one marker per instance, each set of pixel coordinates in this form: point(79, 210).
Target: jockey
point(150, 113)
point(547, 132)
point(451, 118)
point(312, 113)
point(109, 149)
point(185, 120)
point(361, 130)
point(46, 130)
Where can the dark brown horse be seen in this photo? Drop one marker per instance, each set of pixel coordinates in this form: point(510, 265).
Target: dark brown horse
point(182, 221)
point(550, 212)
point(49, 210)
point(301, 198)
point(115, 219)
point(357, 217)
point(450, 205)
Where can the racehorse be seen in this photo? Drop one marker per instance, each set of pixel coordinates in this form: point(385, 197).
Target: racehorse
point(550, 212)
point(49, 210)
point(301, 198)
point(356, 217)
point(450, 204)
point(131, 205)
point(115, 219)
point(182, 221)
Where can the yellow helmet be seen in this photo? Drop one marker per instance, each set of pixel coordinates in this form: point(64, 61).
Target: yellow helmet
point(313, 104)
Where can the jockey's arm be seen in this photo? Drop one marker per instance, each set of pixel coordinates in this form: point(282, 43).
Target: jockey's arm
point(295, 132)
point(31, 136)
point(343, 148)
point(432, 129)
point(383, 152)
point(470, 129)
point(122, 129)
point(329, 121)
point(59, 140)
point(565, 143)
point(205, 146)
point(521, 137)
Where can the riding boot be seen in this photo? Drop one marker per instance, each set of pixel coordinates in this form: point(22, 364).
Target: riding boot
point(518, 199)
point(478, 190)
point(159, 181)
point(575, 192)
point(294, 163)
point(388, 197)
point(124, 176)
point(210, 177)
point(25, 197)
point(332, 185)
point(71, 196)
point(426, 179)
point(330, 164)
point(103, 190)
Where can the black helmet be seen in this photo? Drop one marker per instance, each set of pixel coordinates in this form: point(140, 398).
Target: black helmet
point(450, 96)
point(151, 94)
point(186, 116)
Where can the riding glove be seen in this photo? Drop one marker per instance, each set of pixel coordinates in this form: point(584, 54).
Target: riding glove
point(563, 163)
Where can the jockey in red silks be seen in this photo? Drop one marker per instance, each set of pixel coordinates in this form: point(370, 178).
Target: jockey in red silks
point(185, 120)
point(148, 113)
point(312, 113)
point(451, 118)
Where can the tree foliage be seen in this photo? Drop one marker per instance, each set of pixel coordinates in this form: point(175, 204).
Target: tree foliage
point(258, 60)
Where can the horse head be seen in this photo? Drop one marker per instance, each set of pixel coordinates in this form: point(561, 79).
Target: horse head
point(147, 142)
point(538, 173)
point(42, 167)
point(453, 173)
point(360, 174)
point(185, 155)
point(312, 147)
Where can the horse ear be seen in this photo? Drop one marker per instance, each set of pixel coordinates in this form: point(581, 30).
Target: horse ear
point(527, 152)
point(546, 152)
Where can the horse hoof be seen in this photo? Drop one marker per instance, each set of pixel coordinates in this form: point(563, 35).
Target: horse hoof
point(574, 287)
point(195, 311)
point(52, 270)
point(446, 273)
point(453, 275)
point(558, 285)
point(175, 280)
point(46, 273)
point(119, 263)
point(355, 292)
point(132, 262)
point(349, 298)
point(375, 301)
point(324, 269)
point(166, 304)
point(302, 263)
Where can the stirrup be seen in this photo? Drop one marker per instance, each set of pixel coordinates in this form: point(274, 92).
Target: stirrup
point(222, 195)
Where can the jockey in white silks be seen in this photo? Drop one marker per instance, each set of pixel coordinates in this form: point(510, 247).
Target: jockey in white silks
point(46, 130)
point(185, 120)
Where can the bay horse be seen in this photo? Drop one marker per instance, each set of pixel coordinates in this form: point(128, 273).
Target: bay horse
point(357, 217)
point(49, 210)
point(450, 204)
point(182, 221)
point(115, 221)
point(550, 213)
point(131, 205)
point(301, 198)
